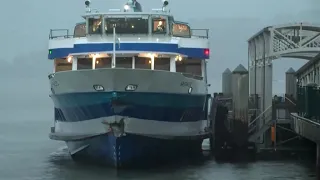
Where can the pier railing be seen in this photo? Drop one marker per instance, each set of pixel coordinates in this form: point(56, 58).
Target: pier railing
point(256, 131)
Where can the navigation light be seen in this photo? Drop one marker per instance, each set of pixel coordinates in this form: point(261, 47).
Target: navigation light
point(207, 52)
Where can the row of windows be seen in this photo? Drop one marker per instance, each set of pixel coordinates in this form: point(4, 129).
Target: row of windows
point(190, 66)
point(131, 26)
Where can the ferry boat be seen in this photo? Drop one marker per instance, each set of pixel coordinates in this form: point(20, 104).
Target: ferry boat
point(129, 87)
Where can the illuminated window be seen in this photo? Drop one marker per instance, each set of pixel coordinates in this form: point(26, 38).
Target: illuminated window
point(159, 26)
point(181, 30)
point(126, 25)
point(63, 65)
point(80, 30)
point(95, 25)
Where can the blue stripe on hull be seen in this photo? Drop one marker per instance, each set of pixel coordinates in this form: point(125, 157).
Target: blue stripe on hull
point(148, 106)
point(149, 47)
point(134, 150)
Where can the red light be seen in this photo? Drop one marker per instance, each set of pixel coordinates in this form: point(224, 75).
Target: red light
point(207, 52)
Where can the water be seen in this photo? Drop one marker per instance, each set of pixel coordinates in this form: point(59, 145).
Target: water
point(26, 153)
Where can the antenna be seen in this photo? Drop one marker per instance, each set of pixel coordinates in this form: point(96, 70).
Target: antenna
point(87, 4)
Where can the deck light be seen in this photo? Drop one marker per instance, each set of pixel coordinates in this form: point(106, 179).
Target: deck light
point(126, 7)
point(69, 59)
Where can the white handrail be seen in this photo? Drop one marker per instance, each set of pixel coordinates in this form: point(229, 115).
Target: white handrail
point(290, 101)
point(260, 115)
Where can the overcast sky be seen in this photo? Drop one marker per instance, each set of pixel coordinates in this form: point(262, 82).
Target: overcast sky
point(25, 28)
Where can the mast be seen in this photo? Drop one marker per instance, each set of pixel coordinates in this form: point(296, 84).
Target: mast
point(113, 63)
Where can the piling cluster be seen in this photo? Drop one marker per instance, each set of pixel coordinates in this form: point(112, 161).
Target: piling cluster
point(235, 85)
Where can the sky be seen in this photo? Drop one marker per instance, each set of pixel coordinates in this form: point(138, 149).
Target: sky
point(25, 28)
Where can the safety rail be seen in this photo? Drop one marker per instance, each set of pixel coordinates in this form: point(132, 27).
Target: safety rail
point(314, 122)
point(253, 128)
point(289, 100)
point(201, 33)
point(60, 33)
point(260, 115)
point(65, 33)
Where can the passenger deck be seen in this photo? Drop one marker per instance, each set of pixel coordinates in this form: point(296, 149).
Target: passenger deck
point(137, 40)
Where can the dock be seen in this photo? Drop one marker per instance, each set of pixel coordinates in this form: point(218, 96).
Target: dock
point(247, 116)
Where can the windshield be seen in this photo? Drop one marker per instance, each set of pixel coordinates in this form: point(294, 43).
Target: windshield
point(126, 25)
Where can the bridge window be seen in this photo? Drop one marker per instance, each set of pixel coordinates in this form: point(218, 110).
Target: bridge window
point(162, 64)
point(181, 30)
point(95, 25)
point(62, 65)
point(124, 62)
point(127, 25)
point(103, 62)
point(84, 63)
point(142, 63)
point(80, 30)
point(159, 26)
point(189, 66)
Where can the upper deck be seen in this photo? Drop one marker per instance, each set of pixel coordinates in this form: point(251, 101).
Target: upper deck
point(155, 32)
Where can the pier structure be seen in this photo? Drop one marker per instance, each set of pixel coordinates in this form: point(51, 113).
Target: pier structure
point(246, 112)
point(247, 115)
point(306, 120)
point(297, 40)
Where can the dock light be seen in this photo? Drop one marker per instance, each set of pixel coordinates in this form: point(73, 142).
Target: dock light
point(98, 87)
point(131, 87)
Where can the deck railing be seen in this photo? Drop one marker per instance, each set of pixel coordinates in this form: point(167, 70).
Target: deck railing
point(59, 33)
point(65, 33)
point(201, 33)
